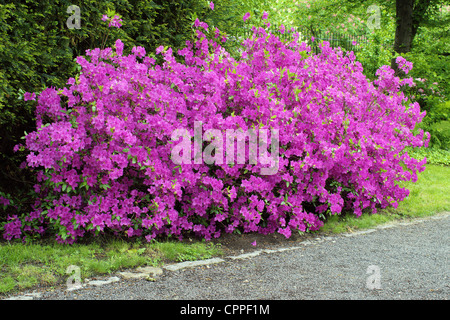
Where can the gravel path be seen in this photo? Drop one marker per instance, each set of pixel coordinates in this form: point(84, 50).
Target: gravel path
point(397, 262)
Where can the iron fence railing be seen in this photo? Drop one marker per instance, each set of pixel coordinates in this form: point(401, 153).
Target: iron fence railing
point(346, 41)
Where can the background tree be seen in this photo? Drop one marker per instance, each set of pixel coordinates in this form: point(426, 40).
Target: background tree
point(410, 16)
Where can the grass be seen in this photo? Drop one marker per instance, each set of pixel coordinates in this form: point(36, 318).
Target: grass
point(27, 266)
point(428, 196)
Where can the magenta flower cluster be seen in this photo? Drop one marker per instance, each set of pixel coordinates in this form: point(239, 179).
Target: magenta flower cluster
point(102, 146)
point(115, 21)
point(4, 201)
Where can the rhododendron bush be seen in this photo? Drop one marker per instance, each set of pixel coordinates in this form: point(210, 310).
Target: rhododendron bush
point(102, 148)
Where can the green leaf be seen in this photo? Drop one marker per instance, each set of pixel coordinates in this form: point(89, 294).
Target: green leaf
point(105, 186)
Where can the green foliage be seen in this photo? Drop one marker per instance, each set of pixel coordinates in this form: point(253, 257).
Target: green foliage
point(37, 50)
point(331, 15)
point(434, 156)
point(431, 52)
point(431, 58)
point(440, 134)
point(279, 12)
point(349, 21)
point(377, 51)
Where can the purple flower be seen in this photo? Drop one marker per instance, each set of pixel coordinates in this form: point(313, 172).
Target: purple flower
point(285, 231)
point(265, 15)
point(404, 65)
point(138, 51)
point(29, 96)
point(211, 5)
point(98, 221)
point(72, 178)
point(119, 47)
point(204, 25)
point(159, 49)
point(4, 201)
point(246, 16)
point(115, 22)
point(12, 229)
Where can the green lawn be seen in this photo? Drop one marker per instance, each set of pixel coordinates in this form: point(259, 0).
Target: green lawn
point(24, 266)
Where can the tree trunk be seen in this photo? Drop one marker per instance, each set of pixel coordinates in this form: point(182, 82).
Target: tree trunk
point(404, 30)
point(409, 16)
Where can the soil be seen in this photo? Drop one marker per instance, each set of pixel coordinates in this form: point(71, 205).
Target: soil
point(234, 244)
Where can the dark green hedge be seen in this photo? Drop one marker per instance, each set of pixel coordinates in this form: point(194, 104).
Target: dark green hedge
point(37, 50)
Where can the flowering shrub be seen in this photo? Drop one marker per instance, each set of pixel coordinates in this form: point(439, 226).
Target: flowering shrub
point(431, 98)
point(102, 146)
point(428, 94)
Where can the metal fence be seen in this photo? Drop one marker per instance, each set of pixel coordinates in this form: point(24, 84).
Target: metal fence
point(347, 42)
